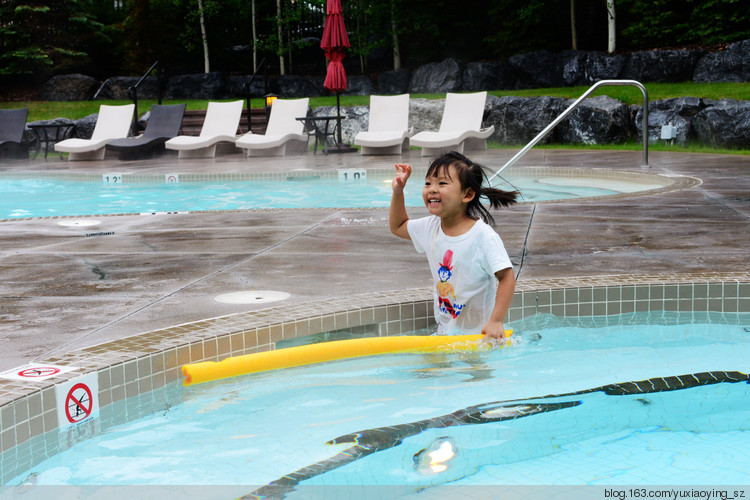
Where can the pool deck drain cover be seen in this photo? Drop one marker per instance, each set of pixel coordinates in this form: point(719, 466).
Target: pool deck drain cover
point(79, 222)
point(251, 297)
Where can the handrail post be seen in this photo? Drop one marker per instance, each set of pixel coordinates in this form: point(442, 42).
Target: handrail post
point(248, 92)
point(571, 108)
point(133, 94)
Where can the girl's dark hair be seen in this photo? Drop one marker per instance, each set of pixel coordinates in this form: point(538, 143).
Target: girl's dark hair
point(472, 175)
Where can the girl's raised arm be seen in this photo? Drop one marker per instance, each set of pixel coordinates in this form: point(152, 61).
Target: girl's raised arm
point(397, 216)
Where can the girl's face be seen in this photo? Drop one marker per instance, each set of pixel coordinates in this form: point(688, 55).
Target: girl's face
point(443, 195)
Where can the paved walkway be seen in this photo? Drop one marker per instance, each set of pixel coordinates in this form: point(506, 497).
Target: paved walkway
point(60, 290)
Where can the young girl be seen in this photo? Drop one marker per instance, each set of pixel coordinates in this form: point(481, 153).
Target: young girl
point(473, 274)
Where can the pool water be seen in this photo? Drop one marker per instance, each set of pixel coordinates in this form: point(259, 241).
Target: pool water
point(258, 428)
point(45, 197)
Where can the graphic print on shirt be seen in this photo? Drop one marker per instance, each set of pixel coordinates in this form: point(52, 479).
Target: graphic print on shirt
point(446, 292)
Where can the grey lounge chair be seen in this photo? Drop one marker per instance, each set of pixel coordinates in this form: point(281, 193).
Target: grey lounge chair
point(163, 124)
point(12, 125)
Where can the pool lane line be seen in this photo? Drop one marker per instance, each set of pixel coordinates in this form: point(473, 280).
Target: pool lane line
point(369, 441)
point(184, 287)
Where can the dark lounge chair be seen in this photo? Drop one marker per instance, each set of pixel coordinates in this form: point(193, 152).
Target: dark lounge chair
point(163, 124)
point(12, 125)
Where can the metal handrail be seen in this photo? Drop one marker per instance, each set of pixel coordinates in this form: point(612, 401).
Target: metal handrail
point(133, 94)
point(572, 107)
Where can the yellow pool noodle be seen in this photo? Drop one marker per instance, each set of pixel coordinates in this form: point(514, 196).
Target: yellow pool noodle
point(206, 371)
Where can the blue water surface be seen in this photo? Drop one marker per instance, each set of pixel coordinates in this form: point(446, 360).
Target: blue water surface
point(257, 428)
point(46, 197)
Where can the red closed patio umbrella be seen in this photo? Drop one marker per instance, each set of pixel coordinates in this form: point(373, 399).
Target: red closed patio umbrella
point(335, 41)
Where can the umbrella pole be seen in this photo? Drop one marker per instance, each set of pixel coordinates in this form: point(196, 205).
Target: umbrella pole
point(338, 114)
point(340, 146)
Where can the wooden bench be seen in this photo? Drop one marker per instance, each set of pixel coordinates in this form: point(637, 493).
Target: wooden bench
point(192, 121)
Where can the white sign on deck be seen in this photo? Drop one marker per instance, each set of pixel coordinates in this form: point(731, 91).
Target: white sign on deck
point(35, 371)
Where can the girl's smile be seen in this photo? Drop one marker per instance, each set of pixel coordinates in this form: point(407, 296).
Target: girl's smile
point(443, 195)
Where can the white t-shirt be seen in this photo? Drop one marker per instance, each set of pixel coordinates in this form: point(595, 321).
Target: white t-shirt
point(463, 268)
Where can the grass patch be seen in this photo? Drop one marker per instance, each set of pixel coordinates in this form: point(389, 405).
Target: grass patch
point(632, 95)
point(627, 146)
point(44, 110)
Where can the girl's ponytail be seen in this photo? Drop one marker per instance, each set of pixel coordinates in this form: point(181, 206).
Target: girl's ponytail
point(472, 175)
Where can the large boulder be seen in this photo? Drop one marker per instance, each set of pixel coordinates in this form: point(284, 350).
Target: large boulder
point(426, 114)
point(489, 75)
point(724, 124)
point(241, 86)
point(394, 82)
point(729, 65)
point(197, 86)
point(678, 112)
point(359, 85)
point(598, 120)
point(538, 69)
point(445, 76)
point(73, 87)
point(85, 126)
point(300, 86)
point(586, 68)
point(665, 66)
point(517, 120)
point(355, 120)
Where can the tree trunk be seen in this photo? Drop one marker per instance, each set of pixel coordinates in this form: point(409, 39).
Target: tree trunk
point(396, 49)
point(573, 34)
point(204, 38)
point(255, 37)
point(281, 38)
point(611, 26)
point(359, 46)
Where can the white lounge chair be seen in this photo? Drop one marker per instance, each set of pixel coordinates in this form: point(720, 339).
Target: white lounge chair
point(113, 122)
point(284, 134)
point(388, 130)
point(220, 125)
point(460, 128)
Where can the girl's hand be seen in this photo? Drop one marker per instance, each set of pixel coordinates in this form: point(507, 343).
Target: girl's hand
point(494, 331)
point(403, 171)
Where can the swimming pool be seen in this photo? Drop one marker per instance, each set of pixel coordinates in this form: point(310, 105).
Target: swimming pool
point(261, 428)
point(115, 193)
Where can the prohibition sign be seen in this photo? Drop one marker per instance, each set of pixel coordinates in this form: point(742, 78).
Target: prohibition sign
point(42, 371)
point(78, 403)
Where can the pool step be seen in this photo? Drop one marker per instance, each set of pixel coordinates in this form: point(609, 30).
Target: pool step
point(192, 121)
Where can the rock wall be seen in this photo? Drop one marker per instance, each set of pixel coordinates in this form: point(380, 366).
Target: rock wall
point(598, 120)
point(517, 120)
point(536, 69)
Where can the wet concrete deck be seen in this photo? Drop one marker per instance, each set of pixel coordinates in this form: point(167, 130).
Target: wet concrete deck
point(61, 291)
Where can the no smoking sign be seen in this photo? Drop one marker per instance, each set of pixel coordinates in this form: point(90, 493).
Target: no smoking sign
point(77, 401)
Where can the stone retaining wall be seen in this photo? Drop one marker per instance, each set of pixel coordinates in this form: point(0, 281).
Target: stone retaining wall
point(517, 120)
point(599, 120)
point(538, 69)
